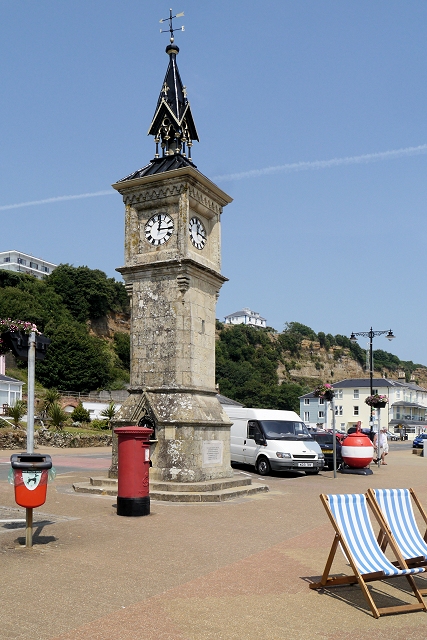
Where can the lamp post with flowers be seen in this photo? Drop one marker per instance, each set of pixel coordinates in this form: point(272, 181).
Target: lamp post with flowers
point(376, 401)
point(371, 335)
point(326, 391)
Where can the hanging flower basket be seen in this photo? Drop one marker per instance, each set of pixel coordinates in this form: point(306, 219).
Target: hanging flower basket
point(14, 336)
point(376, 401)
point(325, 391)
point(15, 341)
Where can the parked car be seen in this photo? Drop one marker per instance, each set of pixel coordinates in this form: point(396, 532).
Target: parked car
point(326, 443)
point(392, 436)
point(368, 432)
point(418, 441)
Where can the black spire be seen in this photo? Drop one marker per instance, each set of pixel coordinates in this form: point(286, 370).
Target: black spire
point(173, 125)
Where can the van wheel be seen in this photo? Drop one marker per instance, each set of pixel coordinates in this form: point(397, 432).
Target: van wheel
point(263, 466)
point(312, 473)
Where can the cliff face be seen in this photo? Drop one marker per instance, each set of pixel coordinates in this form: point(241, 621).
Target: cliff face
point(312, 364)
point(107, 326)
point(316, 363)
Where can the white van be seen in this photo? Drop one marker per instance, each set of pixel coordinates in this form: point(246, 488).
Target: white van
point(272, 440)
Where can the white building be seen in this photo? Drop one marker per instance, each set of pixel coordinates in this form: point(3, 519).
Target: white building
point(246, 316)
point(24, 263)
point(406, 408)
point(95, 408)
point(10, 392)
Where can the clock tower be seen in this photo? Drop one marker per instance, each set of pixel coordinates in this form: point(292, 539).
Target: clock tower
point(172, 273)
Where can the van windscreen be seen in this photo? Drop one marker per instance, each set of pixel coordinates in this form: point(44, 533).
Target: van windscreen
point(284, 429)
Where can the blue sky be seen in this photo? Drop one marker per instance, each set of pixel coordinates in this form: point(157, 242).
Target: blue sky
point(337, 246)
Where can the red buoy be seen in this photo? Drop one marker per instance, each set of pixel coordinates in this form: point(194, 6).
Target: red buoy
point(357, 450)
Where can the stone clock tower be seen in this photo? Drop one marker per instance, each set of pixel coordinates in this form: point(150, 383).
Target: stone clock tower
point(173, 276)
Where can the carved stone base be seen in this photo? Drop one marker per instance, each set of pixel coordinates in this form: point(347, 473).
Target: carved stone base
point(192, 433)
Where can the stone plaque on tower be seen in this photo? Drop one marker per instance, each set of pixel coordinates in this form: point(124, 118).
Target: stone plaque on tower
point(172, 273)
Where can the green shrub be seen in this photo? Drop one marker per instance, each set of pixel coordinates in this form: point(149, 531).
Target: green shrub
point(80, 414)
point(57, 415)
point(99, 425)
point(17, 412)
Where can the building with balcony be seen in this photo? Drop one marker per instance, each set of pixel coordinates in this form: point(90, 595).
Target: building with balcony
point(25, 263)
point(406, 409)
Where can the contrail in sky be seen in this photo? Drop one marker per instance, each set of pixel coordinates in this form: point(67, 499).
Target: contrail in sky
point(31, 203)
point(326, 164)
point(255, 173)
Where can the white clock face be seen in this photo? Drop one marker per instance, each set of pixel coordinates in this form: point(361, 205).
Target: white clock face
point(159, 229)
point(197, 233)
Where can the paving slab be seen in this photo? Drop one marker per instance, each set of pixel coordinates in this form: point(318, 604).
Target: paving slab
point(231, 570)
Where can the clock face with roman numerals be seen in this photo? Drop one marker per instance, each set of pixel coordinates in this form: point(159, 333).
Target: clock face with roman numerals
point(197, 233)
point(159, 229)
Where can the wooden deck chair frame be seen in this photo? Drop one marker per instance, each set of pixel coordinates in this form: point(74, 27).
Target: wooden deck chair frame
point(416, 561)
point(332, 581)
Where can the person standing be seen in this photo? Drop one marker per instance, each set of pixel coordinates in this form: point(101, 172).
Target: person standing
point(383, 445)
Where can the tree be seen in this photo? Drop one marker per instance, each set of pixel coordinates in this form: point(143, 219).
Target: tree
point(57, 415)
point(122, 348)
point(289, 395)
point(17, 412)
point(88, 293)
point(301, 329)
point(49, 397)
point(80, 414)
point(25, 297)
point(75, 360)
point(110, 411)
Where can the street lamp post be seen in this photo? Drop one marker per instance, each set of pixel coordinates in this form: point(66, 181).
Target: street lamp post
point(371, 334)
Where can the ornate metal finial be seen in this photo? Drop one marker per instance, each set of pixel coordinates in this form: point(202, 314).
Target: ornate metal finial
point(171, 29)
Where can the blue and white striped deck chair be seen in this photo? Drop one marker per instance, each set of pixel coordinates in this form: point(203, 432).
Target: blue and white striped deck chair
point(349, 516)
point(395, 506)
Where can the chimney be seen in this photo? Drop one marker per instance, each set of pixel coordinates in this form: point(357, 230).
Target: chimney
point(401, 376)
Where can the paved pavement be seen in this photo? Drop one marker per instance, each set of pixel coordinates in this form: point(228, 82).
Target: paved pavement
point(236, 570)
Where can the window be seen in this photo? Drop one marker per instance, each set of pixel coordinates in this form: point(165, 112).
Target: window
point(321, 414)
point(306, 416)
point(398, 395)
point(321, 400)
point(356, 394)
point(6, 259)
point(356, 411)
point(306, 400)
point(338, 410)
point(338, 394)
point(22, 261)
point(45, 269)
point(34, 265)
point(253, 430)
point(375, 392)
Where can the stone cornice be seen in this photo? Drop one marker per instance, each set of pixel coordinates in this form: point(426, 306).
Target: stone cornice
point(181, 267)
point(167, 389)
point(177, 177)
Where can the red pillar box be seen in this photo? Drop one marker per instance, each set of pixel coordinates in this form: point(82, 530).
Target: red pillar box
point(30, 473)
point(133, 495)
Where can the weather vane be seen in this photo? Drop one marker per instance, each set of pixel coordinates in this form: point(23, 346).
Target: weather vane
point(171, 29)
